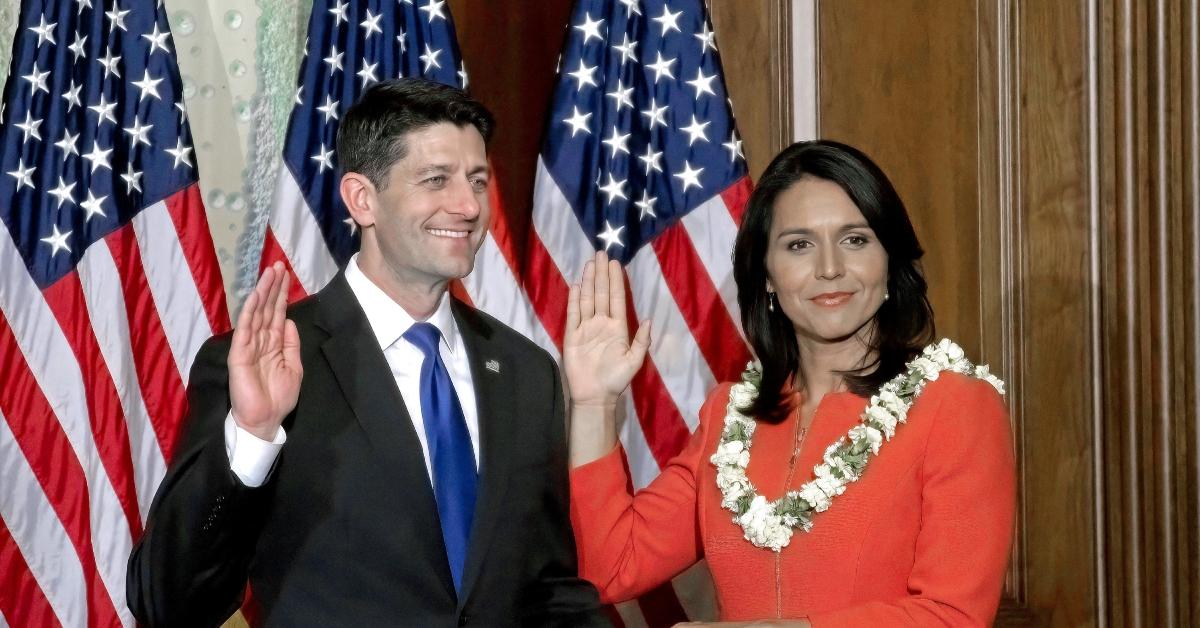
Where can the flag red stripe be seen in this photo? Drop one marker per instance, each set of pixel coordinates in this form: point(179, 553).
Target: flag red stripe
point(500, 230)
point(272, 253)
point(105, 413)
point(158, 375)
point(698, 301)
point(191, 224)
point(22, 601)
point(736, 196)
point(53, 461)
point(547, 289)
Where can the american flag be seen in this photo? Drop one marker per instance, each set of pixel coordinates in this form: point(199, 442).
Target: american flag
point(642, 159)
point(108, 285)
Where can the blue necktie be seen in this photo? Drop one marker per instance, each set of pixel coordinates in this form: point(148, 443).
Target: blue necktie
point(450, 453)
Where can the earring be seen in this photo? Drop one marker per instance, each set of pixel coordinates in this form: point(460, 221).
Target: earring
point(771, 301)
point(885, 294)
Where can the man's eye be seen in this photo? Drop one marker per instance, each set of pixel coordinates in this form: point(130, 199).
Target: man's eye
point(436, 180)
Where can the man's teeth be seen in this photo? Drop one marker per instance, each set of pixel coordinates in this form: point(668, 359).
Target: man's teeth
point(446, 233)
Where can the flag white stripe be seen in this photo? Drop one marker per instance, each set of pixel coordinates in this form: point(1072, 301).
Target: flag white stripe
point(52, 364)
point(106, 307)
point(713, 233)
point(39, 534)
point(176, 297)
point(494, 289)
point(295, 229)
point(684, 371)
point(643, 468)
point(557, 227)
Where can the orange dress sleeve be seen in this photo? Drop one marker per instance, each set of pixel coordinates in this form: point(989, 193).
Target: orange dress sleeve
point(629, 544)
point(968, 498)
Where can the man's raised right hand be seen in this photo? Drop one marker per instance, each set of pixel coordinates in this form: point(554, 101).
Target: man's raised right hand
point(264, 360)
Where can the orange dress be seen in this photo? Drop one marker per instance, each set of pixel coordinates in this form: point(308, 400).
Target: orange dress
point(922, 539)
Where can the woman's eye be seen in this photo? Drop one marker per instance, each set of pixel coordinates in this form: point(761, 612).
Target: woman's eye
point(856, 240)
point(796, 245)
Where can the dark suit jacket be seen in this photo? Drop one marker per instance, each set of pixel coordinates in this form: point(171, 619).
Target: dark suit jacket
point(345, 530)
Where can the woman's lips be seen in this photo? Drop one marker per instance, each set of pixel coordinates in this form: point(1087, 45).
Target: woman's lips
point(832, 299)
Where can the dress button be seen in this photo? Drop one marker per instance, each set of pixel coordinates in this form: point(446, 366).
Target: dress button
point(464, 619)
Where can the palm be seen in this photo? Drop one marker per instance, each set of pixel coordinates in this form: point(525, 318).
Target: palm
point(598, 357)
point(264, 359)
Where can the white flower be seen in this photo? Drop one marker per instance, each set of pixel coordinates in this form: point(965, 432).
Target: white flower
point(891, 401)
point(840, 464)
point(817, 498)
point(741, 395)
point(868, 433)
point(953, 351)
point(831, 484)
point(983, 372)
point(929, 369)
point(731, 453)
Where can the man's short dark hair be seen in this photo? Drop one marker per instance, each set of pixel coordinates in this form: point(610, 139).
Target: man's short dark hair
point(372, 135)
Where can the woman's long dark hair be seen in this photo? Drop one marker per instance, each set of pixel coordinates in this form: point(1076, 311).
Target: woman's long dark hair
point(903, 324)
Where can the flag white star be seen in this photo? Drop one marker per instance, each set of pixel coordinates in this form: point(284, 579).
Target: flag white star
point(627, 49)
point(652, 160)
point(83, 4)
point(57, 241)
point(367, 74)
point(696, 131)
point(734, 146)
point(45, 32)
point(668, 21)
point(93, 206)
point(583, 75)
point(353, 226)
point(157, 39)
point(71, 95)
point(622, 94)
point(324, 158)
point(430, 59)
point(590, 28)
point(104, 110)
point(707, 39)
point(110, 63)
point(462, 73)
point(182, 112)
point(434, 9)
point(37, 80)
point(76, 46)
point(133, 179)
point(182, 154)
point(116, 18)
point(63, 192)
point(689, 176)
point(329, 108)
point(402, 39)
point(68, 143)
point(138, 133)
point(334, 60)
point(148, 86)
point(617, 142)
point(339, 12)
point(661, 67)
point(614, 189)
point(611, 236)
point(371, 25)
point(702, 83)
point(578, 122)
point(299, 90)
point(23, 175)
point(631, 7)
point(656, 114)
point(30, 127)
point(98, 158)
point(646, 206)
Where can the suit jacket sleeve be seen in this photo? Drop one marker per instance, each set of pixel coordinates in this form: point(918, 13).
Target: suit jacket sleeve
point(968, 499)
point(561, 597)
point(190, 566)
point(630, 544)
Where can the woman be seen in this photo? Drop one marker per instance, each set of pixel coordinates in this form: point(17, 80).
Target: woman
point(877, 492)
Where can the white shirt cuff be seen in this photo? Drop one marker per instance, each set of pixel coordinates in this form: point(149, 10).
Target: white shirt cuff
point(250, 457)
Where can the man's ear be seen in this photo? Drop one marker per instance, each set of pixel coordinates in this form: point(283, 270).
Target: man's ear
point(358, 193)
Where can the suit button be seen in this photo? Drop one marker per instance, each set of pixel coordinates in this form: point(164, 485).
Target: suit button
point(464, 619)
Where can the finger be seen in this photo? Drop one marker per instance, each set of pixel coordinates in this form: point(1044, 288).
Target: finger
point(587, 291)
point(241, 332)
point(641, 342)
point(291, 346)
point(279, 315)
point(573, 307)
point(269, 304)
point(616, 291)
point(602, 284)
point(262, 291)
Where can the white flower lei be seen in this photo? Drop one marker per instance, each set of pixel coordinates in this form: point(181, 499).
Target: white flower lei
point(771, 524)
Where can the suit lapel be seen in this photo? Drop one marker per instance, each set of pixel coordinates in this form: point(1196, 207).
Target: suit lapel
point(494, 383)
point(362, 373)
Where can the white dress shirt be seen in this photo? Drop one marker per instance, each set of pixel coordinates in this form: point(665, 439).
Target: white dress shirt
point(252, 458)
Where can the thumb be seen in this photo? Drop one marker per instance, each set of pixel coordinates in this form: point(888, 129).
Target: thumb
point(641, 342)
point(291, 345)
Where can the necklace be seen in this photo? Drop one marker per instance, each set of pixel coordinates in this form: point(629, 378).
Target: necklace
point(770, 524)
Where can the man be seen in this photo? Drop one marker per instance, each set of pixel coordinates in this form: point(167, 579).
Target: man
point(379, 454)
